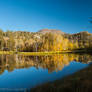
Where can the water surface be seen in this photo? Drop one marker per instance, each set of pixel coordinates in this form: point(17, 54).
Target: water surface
point(25, 72)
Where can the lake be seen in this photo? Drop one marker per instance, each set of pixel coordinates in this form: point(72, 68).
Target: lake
point(20, 73)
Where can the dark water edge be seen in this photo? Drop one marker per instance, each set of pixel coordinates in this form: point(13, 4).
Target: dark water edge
point(81, 81)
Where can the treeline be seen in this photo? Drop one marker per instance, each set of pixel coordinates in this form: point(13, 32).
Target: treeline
point(34, 42)
point(84, 39)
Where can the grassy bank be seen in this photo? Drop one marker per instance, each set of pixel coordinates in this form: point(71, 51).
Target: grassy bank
point(45, 53)
point(42, 53)
point(30, 53)
point(7, 52)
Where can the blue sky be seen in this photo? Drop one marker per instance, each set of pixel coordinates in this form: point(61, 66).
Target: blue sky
point(70, 16)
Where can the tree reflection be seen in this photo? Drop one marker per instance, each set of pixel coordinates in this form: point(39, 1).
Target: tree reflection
point(50, 62)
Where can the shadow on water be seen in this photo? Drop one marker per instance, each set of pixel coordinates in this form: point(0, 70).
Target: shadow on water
point(40, 69)
point(81, 81)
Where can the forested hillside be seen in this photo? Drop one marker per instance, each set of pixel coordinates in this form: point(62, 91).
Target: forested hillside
point(44, 40)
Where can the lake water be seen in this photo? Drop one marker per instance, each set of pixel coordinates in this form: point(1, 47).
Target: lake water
point(18, 72)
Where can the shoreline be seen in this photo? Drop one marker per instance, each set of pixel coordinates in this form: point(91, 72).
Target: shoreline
point(46, 53)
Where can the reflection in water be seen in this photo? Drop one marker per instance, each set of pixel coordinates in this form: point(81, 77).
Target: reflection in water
point(51, 62)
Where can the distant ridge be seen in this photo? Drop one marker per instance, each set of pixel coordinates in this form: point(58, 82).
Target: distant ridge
point(43, 31)
point(83, 35)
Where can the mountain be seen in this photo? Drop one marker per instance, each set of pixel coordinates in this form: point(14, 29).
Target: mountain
point(43, 31)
